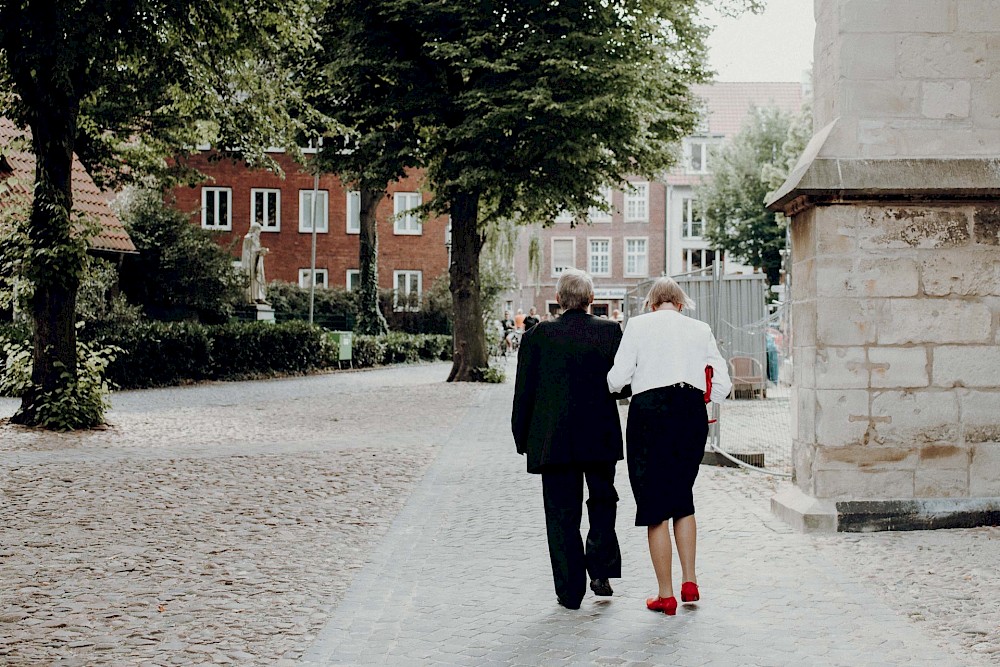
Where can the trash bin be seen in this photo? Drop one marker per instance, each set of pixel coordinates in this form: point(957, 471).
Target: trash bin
point(343, 341)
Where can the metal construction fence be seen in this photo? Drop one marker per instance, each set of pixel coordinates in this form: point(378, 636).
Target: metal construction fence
point(753, 427)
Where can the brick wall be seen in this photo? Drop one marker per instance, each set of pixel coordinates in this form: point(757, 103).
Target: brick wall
point(336, 250)
point(617, 230)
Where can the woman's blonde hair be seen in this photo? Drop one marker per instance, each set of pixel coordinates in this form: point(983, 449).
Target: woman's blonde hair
point(666, 290)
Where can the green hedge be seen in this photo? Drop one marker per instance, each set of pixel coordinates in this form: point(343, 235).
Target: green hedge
point(161, 354)
point(396, 348)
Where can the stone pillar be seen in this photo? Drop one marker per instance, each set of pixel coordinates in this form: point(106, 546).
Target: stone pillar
point(895, 210)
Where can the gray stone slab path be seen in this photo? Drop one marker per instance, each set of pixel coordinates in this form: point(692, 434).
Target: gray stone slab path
point(462, 578)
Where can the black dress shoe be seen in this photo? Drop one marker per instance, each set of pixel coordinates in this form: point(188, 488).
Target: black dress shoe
point(601, 587)
point(568, 604)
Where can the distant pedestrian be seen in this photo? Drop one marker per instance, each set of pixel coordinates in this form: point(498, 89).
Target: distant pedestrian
point(507, 322)
point(519, 320)
point(531, 319)
point(663, 356)
point(566, 421)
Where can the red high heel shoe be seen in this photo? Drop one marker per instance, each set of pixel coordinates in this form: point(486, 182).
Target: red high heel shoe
point(667, 605)
point(689, 592)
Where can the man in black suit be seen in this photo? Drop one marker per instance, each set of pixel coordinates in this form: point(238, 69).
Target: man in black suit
point(566, 422)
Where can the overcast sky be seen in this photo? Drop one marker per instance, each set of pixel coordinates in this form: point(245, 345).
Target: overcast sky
point(773, 46)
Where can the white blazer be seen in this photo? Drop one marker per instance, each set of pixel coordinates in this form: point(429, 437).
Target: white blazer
point(664, 347)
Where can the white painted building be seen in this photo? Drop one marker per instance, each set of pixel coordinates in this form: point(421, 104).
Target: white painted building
point(726, 106)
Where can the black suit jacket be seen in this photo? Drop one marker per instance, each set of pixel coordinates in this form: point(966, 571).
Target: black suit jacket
point(563, 412)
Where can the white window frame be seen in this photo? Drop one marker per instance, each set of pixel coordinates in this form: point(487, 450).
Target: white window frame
point(688, 211)
point(626, 254)
point(687, 254)
point(564, 216)
point(597, 215)
point(591, 240)
point(305, 208)
point(701, 145)
point(409, 273)
point(266, 225)
point(347, 278)
point(557, 270)
point(636, 205)
point(403, 223)
point(228, 192)
point(304, 278)
point(353, 216)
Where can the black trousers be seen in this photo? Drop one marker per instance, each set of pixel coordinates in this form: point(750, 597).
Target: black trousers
point(601, 558)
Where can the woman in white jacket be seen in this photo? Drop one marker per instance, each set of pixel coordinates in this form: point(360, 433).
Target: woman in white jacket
point(663, 355)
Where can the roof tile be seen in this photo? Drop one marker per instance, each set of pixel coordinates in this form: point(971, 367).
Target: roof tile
point(87, 198)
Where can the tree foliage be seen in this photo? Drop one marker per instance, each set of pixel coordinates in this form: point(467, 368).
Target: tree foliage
point(180, 271)
point(366, 78)
point(524, 109)
point(732, 202)
point(123, 84)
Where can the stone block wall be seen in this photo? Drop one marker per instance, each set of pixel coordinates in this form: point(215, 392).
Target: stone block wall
point(908, 78)
point(897, 350)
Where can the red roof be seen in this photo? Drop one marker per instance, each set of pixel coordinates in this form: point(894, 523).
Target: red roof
point(87, 198)
point(728, 103)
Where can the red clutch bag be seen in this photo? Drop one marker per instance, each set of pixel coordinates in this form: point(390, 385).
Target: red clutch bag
point(709, 372)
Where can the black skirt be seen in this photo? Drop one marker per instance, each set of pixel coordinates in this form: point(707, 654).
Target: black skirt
point(665, 437)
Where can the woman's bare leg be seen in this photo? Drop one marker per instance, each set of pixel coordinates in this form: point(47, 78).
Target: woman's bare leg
point(661, 555)
point(686, 536)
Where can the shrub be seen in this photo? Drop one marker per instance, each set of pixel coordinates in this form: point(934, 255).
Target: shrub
point(258, 348)
point(431, 315)
point(368, 350)
point(333, 308)
point(181, 271)
point(159, 354)
point(397, 348)
point(75, 405)
point(401, 348)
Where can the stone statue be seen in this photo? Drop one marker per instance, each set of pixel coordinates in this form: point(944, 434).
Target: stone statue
point(253, 264)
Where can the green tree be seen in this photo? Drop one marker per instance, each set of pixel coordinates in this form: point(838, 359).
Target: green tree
point(367, 78)
point(95, 76)
point(744, 171)
point(180, 271)
point(538, 105)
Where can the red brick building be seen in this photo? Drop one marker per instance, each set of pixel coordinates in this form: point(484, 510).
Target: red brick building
point(412, 251)
point(619, 249)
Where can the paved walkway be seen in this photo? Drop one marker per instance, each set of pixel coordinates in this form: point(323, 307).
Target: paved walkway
point(462, 578)
point(382, 517)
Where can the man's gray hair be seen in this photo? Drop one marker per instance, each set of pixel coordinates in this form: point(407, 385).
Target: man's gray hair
point(575, 289)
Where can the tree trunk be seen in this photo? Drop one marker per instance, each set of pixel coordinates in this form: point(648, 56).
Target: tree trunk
point(56, 260)
point(370, 318)
point(470, 354)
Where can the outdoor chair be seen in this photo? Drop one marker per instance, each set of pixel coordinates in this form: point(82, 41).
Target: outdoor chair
point(747, 376)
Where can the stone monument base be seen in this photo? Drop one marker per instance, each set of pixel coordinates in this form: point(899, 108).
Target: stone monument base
point(256, 312)
point(813, 515)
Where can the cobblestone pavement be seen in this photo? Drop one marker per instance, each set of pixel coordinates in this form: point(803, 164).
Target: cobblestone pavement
point(382, 517)
point(215, 524)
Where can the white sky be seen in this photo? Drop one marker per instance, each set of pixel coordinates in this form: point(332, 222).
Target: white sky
point(773, 46)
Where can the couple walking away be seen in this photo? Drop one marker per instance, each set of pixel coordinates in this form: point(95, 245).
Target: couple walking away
point(570, 373)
